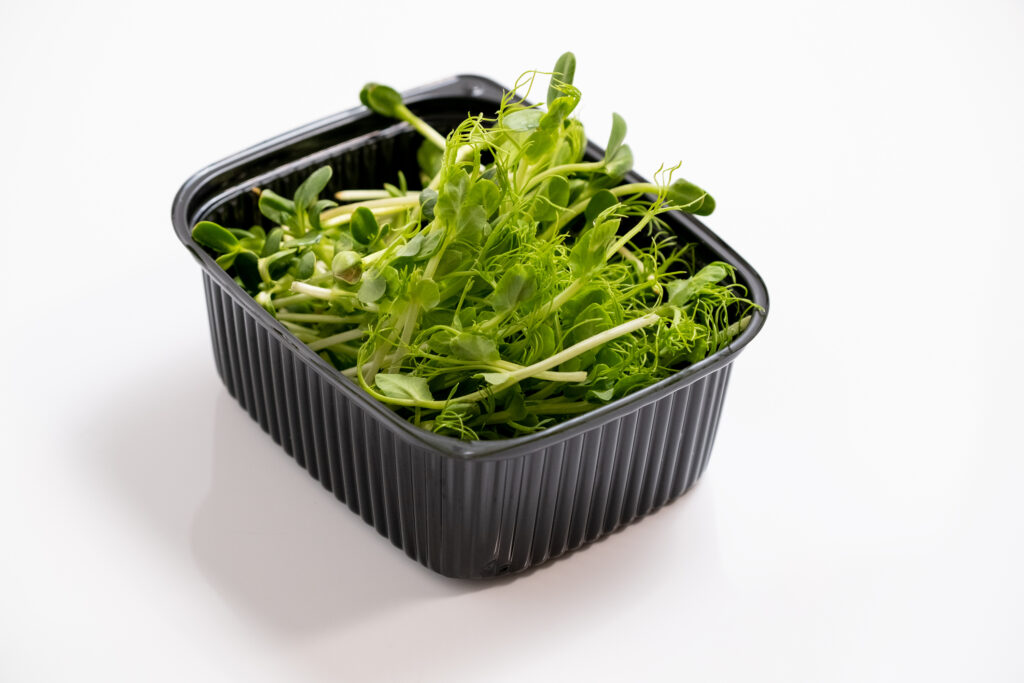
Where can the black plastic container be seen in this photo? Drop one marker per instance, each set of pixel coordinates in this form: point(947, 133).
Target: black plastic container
point(464, 509)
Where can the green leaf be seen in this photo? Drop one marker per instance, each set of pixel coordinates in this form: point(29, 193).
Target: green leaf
point(474, 347)
point(495, 378)
point(542, 343)
point(425, 293)
point(275, 265)
point(553, 196)
point(381, 99)
point(620, 164)
point(557, 191)
point(394, 385)
point(364, 226)
point(590, 249)
point(429, 156)
point(558, 111)
point(273, 242)
point(451, 196)
point(307, 240)
point(691, 198)
point(599, 203)
point(682, 291)
point(565, 70)
point(213, 236)
point(592, 320)
point(279, 210)
point(467, 317)
point(421, 247)
point(428, 200)
point(247, 268)
point(486, 194)
point(346, 266)
point(306, 266)
point(225, 260)
point(441, 342)
point(372, 288)
point(540, 143)
point(618, 134)
point(240, 234)
point(310, 189)
point(318, 208)
point(516, 404)
point(522, 120)
point(471, 224)
point(517, 285)
point(631, 382)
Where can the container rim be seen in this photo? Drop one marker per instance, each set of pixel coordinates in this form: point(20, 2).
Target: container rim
point(189, 204)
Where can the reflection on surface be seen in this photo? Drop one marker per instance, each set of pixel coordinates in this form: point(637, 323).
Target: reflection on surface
point(274, 541)
point(194, 468)
point(285, 555)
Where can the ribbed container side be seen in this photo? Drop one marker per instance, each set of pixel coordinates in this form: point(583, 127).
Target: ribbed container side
point(503, 516)
point(392, 485)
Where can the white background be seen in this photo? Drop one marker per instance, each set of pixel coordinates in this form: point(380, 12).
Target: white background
point(861, 518)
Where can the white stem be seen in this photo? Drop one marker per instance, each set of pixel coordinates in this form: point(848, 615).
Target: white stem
point(336, 339)
point(362, 195)
point(320, 318)
point(531, 370)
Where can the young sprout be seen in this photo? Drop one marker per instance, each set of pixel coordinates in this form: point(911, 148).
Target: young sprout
point(388, 102)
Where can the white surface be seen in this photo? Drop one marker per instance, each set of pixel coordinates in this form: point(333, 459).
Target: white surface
point(861, 516)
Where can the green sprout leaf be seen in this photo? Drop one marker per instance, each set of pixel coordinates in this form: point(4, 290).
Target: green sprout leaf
point(495, 378)
point(590, 249)
point(279, 210)
point(690, 198)
point(523, 120)
point(396, 385)
point(381, 99)
point(306, 265)
point(599, 203)
point(618, 134)
point(425, 293)
point(474, 347)
point(225, 261)
point(621, 163)
point(429, 158)
point(516, 286)
point(310, 189)
point(564, 72)
point(273, 242)
point(680, 292)
point(247, 267)
point(372, 288)
point(428, 201)
point(364, 226)
point(346, 267)
point(214, 237)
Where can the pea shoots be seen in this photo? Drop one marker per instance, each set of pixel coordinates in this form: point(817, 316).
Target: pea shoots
point(522, 285)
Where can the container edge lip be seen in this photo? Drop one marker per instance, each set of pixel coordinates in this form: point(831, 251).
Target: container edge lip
point(450, 446)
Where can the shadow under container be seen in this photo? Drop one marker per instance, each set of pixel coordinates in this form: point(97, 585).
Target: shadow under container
point(464, 509)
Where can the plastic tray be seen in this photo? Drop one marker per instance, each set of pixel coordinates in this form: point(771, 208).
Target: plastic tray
point(464, 509)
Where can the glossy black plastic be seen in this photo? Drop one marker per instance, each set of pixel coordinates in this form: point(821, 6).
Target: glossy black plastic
point(464, 509)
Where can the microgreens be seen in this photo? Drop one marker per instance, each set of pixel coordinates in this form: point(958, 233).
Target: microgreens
point(522, 286)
